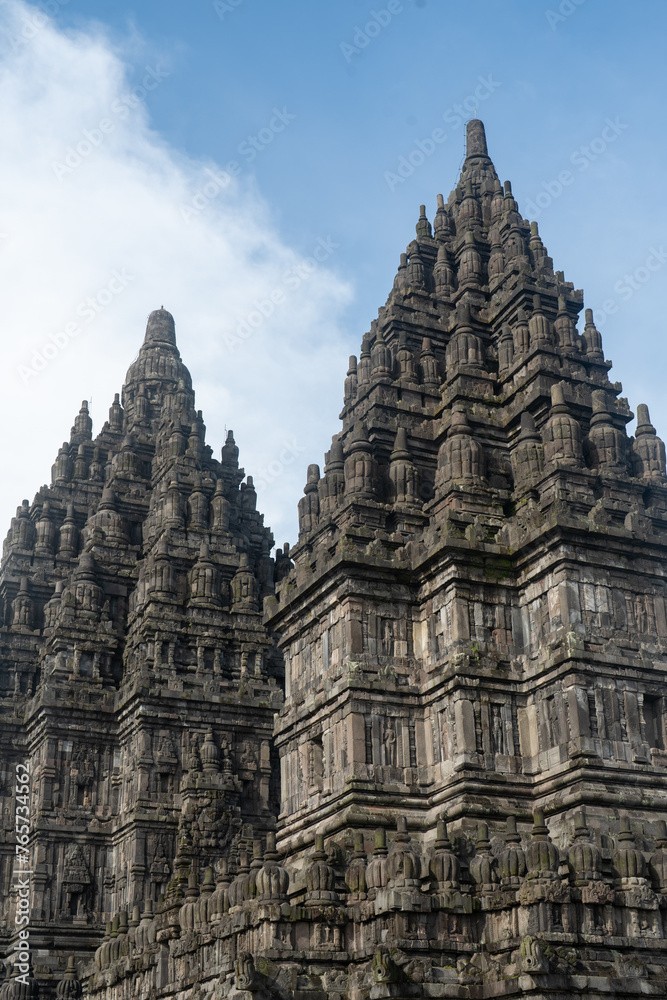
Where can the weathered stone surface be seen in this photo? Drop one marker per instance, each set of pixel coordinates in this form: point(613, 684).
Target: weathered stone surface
point(471, 750)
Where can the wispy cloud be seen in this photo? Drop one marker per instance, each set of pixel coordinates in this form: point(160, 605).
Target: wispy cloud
point(120, 209)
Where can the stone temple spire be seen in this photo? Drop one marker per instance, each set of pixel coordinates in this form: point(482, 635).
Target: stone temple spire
point(474, 629)
point(135, 579)
point(468, 621)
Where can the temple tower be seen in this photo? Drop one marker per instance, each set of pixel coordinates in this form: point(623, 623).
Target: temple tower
point(475, 626)
point(136, 677)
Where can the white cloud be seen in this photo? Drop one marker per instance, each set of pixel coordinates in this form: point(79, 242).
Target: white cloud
point(93, 207)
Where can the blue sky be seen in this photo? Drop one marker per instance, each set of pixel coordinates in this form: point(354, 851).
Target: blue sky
point(310, 109)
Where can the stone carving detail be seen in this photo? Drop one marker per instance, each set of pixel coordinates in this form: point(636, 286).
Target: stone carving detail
point(533, 959)
point(471, 628)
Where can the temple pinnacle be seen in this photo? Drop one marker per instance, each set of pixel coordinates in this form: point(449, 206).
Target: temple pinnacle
point(476, 138)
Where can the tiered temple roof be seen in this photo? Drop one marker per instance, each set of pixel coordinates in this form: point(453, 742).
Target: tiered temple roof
point(472, 749)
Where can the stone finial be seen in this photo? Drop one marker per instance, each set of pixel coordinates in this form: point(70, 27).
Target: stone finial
point(483, 865)
point(415, 274)
point(444, 867)
point(564, 327)
point(403, 474)
point(230, 453)
point(470, 270)
point(505, 350)
point(512, 859)
point(648, 449)
point(351, 381)
point(83, 425)
point(443, 272)
point(210, 754)
point(245, 591)
point(23, 609)
point(542, 856)
point(606, 444)
point(220, 509)
point(592, 339)
point(69, 987)
point(364, 366)
point(405, 361)
point(332, 485)
point(464, 349)
point(355, 875)
point(562, 433)
point(400, 280)
point(272, 880)
point(461, 456)
point(359, 464)
point(629, 862)
point(470, 212)
point(116, 414)
point(376, 869)
point(442, 223)
point(497, 201)
point(521, 333)
point(496, 265)
point(510, 205)
point(584, 858)
point(160, 328)
point(423, 226)
point(429, 365)
point(309, 504)
point(528, 454)
point(476, 138)
point(380, 358)
point(320, 876)
point(539, 326)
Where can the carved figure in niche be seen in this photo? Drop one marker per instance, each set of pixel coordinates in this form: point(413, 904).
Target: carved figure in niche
point(248, 761)
point(160, 870)
point(83, 764)
point(387, 638)
point(553, 722)
point(389, 740)
point(144, 748)
point(194, 760)
point(498, 731)
point(76, 874)
point(640, 614)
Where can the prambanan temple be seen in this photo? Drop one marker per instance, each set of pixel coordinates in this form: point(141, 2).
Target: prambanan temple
point(420, 753)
